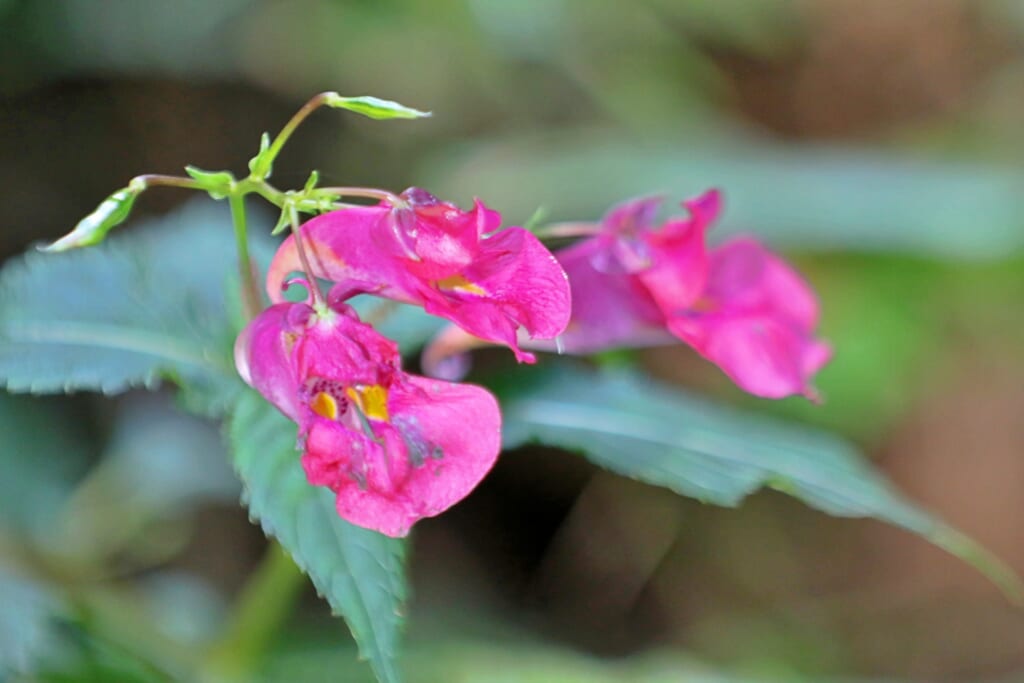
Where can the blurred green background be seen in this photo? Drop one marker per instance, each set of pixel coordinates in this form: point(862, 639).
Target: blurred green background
point(876, 142)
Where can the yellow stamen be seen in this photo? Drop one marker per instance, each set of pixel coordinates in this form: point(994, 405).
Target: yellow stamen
point(324, 405)
point(457, 283)
point(371, 400)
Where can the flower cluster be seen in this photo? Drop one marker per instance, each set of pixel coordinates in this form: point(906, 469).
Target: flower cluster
point(396, 447)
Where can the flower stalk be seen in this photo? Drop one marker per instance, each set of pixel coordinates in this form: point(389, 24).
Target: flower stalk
point(251, 303)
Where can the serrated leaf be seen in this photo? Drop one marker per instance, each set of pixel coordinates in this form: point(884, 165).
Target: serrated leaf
point(361, 573)
point(374, 107)
point(638, 428)
point(93, 228)
point(146, 306)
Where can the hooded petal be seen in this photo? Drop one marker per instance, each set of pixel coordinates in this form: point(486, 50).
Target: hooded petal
point(490, 284)
point(679, 262)
point(444, 238)
point(263, 356)
point(343, 246)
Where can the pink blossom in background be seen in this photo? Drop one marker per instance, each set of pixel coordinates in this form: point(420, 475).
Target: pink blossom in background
point(738, 305)
point(456, 264)
point(393, 447)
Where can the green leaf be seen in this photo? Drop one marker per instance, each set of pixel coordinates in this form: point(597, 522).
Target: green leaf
point(311, 182)
point(145, 307)
point(94, 227)
point(26, 623)
point(374, 107)
point(638, 428)
point(260, 165)
point(284, 221)
point(159, 465)
point(217, 183)
point(361, 573)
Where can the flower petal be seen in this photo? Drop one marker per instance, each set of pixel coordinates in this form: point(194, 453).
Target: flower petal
point(679, 264)
point(608, 309)
point(525, 280)
point(746, 275)
point(263, 356)
point(759, 323)
point(342, 247)
point(341, 347)
point(443, 439)
point(761, 354)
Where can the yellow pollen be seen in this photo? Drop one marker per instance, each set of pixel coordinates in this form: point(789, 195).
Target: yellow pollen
point(324, 405)
point(703, 305)
point(371, 400)
point(457, 283)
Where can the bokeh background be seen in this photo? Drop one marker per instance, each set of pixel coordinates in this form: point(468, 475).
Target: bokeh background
point(876, 142)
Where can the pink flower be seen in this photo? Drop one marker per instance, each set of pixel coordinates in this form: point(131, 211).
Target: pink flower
point(454, 263)
point(394, 447)
point(738, 305)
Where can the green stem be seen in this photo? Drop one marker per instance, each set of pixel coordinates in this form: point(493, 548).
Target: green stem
point(567, 230)
point(260, 610)
point(294, 122)
point(250, 291)
point(153, 180)
point(394, 199)
point(263, 189)
point(300, 247)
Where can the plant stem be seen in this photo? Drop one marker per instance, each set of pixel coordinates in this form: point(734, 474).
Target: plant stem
point(300, 246)
point(308, 108)
point(261, 608)
point(250, 291)
point(565, 230)
point(152, 180)
point(263, 189)
point(394, 199)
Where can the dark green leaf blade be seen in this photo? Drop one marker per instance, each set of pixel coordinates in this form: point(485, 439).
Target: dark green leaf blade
point(361, 573)
point(635, 427)
point(145, 306)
